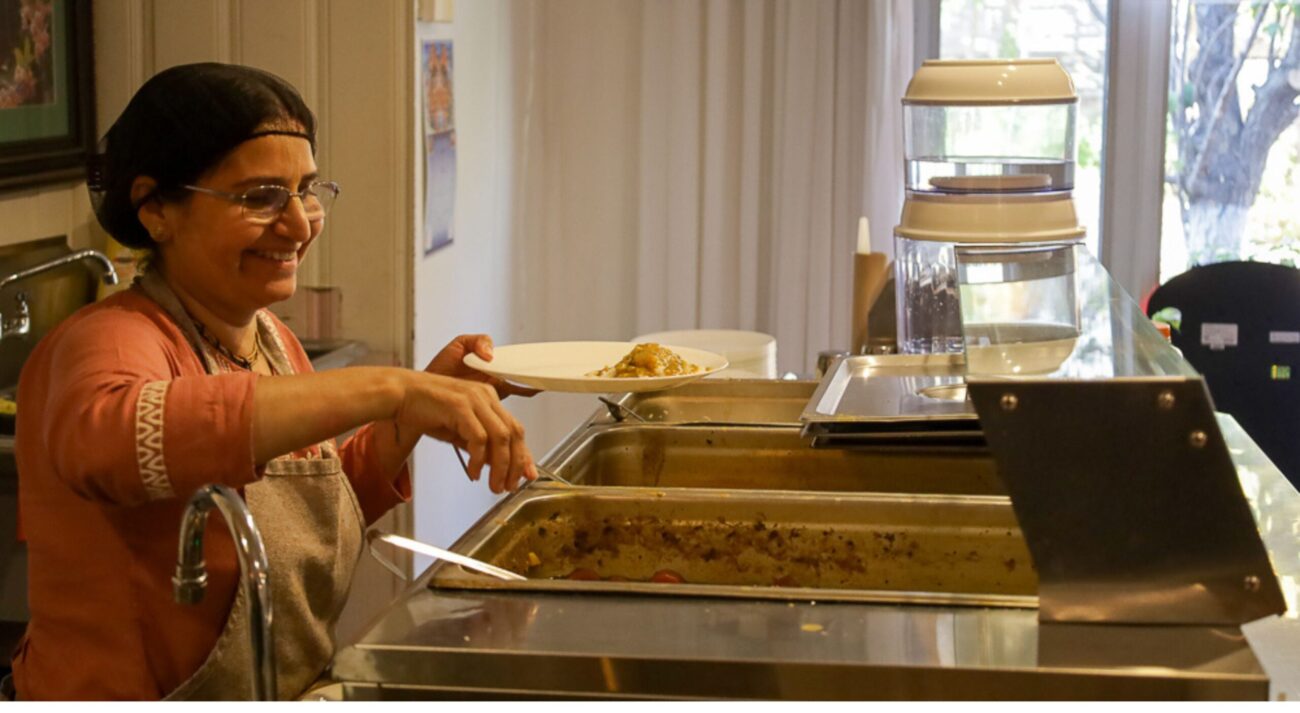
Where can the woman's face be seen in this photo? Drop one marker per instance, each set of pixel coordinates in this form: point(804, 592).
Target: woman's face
point(229, 264)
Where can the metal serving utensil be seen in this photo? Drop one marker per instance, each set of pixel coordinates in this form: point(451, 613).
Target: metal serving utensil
point(437, 553)
point(549, 474)
point(542, 471)
point(619, 412)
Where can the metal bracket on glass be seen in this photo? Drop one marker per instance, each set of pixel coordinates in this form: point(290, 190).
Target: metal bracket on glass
point(1128, 500)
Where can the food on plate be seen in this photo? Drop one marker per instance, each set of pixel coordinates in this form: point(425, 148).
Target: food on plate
point(648, 360)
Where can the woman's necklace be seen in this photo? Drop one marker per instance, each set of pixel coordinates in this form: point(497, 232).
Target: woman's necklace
point(243, 362)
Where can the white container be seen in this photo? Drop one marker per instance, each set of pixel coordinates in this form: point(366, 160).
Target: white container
point(752, 355)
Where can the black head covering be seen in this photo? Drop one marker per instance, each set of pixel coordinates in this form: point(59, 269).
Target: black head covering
point(180, 124)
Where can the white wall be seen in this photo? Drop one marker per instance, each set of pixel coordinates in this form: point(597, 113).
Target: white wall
point(465, 287)
point(44, 212)
point(544, 97)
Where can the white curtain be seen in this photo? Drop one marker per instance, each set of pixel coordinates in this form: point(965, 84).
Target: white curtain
point(689, 164)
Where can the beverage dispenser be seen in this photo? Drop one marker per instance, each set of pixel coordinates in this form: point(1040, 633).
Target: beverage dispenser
point(984, 251)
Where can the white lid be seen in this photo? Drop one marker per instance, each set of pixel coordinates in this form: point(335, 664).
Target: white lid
point(990, 82)
point(985, 218)
point(734, 344)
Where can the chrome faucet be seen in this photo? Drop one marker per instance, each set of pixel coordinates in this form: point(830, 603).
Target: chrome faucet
point(191, 578)
point(22, 323)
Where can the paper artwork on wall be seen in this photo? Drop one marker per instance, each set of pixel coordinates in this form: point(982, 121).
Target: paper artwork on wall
point(47, 105)
point(438, 108)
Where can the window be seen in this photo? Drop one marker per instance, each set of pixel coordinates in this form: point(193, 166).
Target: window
point(1232, 151)
point(1073, 32)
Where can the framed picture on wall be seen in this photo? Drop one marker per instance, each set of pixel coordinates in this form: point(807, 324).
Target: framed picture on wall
point(47, 106)
point(437, 59)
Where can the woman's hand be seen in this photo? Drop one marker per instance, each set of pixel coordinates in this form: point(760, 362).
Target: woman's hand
point(469, 415)
point(450, 362)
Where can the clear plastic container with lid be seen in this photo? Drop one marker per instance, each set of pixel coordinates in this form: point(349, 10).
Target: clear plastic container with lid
point(990, 125)
point(989, 171)
point(1004, 262)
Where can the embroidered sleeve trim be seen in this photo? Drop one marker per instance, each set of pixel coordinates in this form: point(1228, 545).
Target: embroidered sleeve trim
point(149, 440)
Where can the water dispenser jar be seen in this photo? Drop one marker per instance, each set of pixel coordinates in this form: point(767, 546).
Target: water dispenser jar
point(989, 150)
point(1010, 256)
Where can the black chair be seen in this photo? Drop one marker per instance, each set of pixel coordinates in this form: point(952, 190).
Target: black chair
point(1241, 330)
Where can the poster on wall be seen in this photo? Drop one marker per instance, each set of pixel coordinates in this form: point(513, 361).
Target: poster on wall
point(438, 107)
point(47, 123)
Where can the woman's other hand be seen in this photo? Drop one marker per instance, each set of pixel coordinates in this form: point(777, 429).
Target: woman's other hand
point(450, 362)
point(469, 415)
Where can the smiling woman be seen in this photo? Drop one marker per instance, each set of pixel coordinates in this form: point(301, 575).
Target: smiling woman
point(133, 404)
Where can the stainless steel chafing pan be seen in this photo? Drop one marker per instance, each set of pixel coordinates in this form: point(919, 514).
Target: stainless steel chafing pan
point(770, 545)
point(764, 458)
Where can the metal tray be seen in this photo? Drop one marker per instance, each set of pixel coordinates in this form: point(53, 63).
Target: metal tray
point(764, 458)
point(890, 389)
point(883, 401)
point(881, 548)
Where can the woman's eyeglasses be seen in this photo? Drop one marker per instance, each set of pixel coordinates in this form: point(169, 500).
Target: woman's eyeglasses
point(264, 204)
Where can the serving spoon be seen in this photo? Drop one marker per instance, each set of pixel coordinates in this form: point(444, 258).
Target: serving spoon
point(428, 550)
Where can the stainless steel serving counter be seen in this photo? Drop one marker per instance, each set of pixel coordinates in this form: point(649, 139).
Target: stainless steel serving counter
point(437, 643)
point(1105, 449)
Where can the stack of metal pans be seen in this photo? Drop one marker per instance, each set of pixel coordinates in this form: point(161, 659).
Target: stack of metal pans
point(893, 401)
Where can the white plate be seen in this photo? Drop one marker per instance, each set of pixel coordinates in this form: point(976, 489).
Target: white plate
point(563, 366)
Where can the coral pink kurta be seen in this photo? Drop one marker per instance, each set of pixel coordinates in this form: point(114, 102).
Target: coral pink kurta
point(118, 426)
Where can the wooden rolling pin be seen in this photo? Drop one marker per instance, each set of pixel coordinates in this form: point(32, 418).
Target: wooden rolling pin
point(870, 273)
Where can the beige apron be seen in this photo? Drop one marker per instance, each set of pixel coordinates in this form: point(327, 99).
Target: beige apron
point(311, 525)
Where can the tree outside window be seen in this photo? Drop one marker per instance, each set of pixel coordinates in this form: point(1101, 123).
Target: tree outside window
point(1071, 31)
point(1233, 147)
